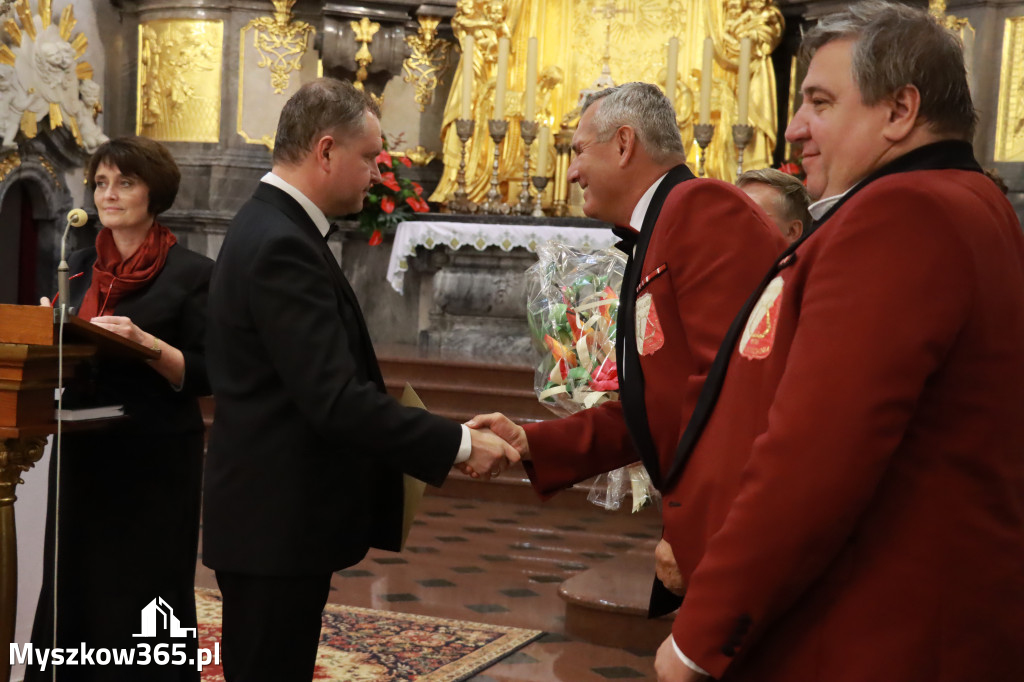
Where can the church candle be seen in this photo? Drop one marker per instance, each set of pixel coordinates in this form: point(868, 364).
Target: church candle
point(530, 106)
point(705, 82)
point(670, 73)
point(467, 77)
point(502, 78)
point(744, 82)
point(542, 151)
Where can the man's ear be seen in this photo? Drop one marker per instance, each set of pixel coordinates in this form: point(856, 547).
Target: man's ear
point(794, 229)
point(322, 150)
point(902, 109)
point(625, 143)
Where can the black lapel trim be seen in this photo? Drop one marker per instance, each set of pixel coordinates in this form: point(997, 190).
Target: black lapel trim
point(946, 155)
point(631, 391)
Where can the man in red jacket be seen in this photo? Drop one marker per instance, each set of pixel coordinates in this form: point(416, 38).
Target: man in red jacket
point(696, 247)
point(853, 509)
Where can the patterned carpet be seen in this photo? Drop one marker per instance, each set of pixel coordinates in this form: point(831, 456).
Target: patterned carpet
point(365, 645)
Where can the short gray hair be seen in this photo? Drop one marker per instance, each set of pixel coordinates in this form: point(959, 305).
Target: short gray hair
point(644, 108)
point(317, 108)
point(896, 45)
point(793, 196)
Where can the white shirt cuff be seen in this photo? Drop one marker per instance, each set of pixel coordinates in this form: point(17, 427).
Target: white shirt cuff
point(465, 447)
point(689, 664)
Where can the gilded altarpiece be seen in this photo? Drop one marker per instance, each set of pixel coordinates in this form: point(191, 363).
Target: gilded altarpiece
point(276, 57)
point(1010, 116)
point(572, 37)
point(179, 88)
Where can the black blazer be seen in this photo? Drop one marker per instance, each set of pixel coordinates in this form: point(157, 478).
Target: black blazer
point(307, 450)
point(173, 308)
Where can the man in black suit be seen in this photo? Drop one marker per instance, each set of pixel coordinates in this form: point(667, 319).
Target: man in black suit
point(307, 450)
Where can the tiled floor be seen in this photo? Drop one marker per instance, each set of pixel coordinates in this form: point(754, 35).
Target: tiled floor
point(502, 563)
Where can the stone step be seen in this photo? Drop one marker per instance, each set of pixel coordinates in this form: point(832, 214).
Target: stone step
point(607, 604)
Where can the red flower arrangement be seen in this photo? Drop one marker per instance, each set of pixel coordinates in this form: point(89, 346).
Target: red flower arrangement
point(794, 168)
point(394, 200)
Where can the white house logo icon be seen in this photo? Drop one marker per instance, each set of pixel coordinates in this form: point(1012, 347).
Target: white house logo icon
point(158, 614)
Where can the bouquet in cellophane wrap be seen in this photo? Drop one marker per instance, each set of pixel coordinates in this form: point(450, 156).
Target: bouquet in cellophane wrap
point(572, 306)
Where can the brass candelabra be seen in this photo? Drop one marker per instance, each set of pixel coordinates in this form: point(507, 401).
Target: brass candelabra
point(494, 205)
point(741, 137)
point(702, 133)
point(460, 201)
point(528, 131)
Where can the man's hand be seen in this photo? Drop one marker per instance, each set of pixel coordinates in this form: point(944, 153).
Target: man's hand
point(490, 454)
point(670, 668)
point(667, 569)
point(504, 428)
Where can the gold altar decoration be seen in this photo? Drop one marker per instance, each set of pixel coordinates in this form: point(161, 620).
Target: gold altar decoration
point(180, 66)
point(46, 75)
point(364, 30)
point(284, 46)
point(8, 164)
point(418, 155)
point(429, 55)
point(1010, 112)
point(572, 37)
point(281, 43)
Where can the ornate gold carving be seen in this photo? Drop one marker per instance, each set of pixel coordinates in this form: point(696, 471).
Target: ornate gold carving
point(48, 167)
point(281, 43)
point(8, 164)
point(16, 457)
point(42, 76)
point(419, 155)
point(364, 30)
point(423, 66)
point(1010, 113)
point(937, 8)
point(179, 80)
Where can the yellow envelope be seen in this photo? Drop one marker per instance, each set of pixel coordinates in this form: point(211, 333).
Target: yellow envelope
point(413, 486)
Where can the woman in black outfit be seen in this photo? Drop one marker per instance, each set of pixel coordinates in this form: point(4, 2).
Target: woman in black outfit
point(129, 493)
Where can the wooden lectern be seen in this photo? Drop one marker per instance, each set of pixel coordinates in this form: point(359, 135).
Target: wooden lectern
point(28, 377)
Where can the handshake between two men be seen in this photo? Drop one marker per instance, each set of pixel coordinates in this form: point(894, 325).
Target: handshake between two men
point(498, 443)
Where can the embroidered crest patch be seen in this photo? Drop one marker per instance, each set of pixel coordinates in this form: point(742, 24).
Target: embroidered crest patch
point(759, 334)
point(649, 337)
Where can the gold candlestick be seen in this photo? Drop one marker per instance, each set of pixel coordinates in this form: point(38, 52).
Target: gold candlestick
point(741, 137)
point(494, 205)
point(563, 145)
point(460, 202)
point(539, 183)
point(528, 131)
point(702, 133)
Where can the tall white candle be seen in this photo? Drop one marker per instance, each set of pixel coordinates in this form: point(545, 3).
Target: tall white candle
point(744, 82)
point(467, 77)
point(705, 82)
point(502, 78)
point(530, 106)
point(542, 151)
point(670, 72)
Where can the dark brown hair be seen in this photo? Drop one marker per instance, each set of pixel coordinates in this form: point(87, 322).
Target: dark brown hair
point(142, 158)
point(318, 107)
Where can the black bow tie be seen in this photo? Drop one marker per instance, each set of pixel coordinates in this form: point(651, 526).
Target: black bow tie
point(628, 237)
point(331, 229)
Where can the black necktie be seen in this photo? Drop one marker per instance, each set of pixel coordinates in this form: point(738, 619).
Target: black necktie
point(331, 229)
point(628, 237)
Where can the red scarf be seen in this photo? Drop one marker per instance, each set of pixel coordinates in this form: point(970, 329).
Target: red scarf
point(113, 278)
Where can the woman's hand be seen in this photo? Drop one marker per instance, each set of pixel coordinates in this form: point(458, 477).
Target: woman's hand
point(123, 326)
point(45, 302)
point(171, 363)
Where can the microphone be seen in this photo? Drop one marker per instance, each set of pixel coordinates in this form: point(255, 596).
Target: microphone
point(76, 218)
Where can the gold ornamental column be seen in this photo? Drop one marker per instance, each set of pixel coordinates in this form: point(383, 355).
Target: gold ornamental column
point(17, 455)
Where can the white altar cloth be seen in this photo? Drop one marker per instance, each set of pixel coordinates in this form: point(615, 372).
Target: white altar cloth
point(413, 233)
